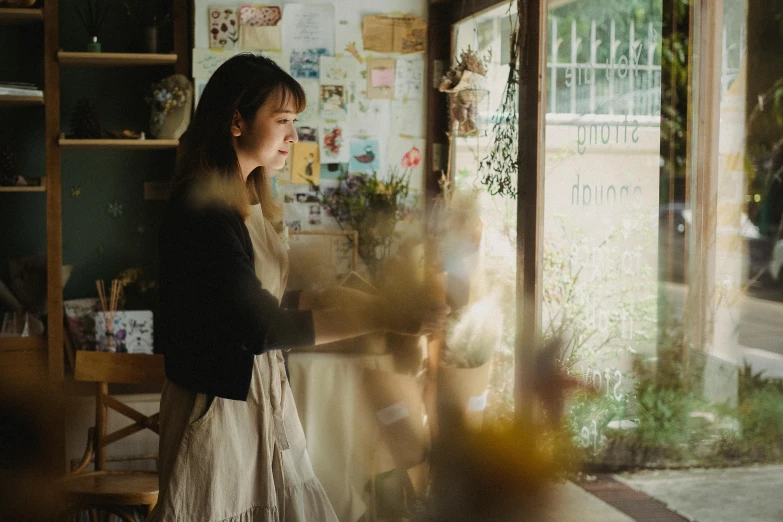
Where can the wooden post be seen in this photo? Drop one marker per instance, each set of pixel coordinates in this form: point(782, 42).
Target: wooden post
point(530, 201)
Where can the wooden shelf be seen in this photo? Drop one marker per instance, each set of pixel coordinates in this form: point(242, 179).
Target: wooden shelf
point(118, 144)
point(13, 99)
point(21, 344)
point(36, 188)
point(20, 15)
point(74, 59)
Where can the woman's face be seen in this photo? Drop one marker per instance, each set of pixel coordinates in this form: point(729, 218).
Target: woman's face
point(267, 140)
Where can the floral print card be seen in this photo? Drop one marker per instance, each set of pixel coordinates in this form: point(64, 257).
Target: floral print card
point(223, 27)
point(334, 146)
point(131, 330)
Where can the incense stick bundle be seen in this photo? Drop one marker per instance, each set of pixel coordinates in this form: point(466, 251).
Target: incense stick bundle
point(109, 308)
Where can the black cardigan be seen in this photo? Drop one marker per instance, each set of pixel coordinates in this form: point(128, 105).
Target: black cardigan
point(214, 316)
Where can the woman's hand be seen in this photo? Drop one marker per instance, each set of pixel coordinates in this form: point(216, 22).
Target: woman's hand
point(414, 318)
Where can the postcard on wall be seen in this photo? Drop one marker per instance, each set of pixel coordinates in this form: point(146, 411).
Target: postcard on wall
point(260, 28)
point(407, 119)
point(409, 78)
point(305, 163)
point(308, 27)
point(305, 65)
point(223, 27)
point(334, 102)
point(334, 147)
point(394, 34)
point(340, 70)
point(365, 156)
point(406, 155)
point(380, 78)
point(310, 116)
point(206, 61)
point(369, 117)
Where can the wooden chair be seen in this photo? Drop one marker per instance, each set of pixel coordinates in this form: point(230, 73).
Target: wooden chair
point(112, 491)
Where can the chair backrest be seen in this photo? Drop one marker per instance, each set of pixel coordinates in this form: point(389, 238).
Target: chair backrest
point(104, 368)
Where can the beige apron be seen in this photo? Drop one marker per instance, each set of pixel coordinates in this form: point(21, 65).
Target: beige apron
point(227, 461)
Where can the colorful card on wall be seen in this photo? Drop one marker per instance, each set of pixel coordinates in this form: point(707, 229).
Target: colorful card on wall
point(333, 144)
point(365, 156)
point(223, 27)
point(260, 15)
point(305, 164)
point(334, 103)
point(380, 78)
point(409, 78)
point(259, 28)
point(306, 64)
point(340, 70)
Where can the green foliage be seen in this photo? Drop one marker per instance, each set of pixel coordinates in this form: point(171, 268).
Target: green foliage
point(372, 207)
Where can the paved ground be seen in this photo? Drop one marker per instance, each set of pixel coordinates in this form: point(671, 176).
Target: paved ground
point(570, 503)
point(749, 494)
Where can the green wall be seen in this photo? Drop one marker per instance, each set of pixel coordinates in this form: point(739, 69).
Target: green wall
point(96, 243)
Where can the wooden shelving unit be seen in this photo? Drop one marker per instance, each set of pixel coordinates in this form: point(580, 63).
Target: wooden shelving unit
point(13, 99)
point(80, 59)
point(23, 344)
point(20, 16)
point(118, 144)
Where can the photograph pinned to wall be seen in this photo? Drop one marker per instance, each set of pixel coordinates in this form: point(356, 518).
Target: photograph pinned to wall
point(409, 78)
point(332, 171)
point(407, 119)
point(305, 65)
point(306, 133)
point(198, 89)
point(259, 28)
point(406, 155)
point(311, 115)
point(334, 105)
point(365, 156)
point(380, 78)
point(305, 163)
point(223, 27)
point(339, 70)
point(333, 144)
point(206, 61)
point(307, 27)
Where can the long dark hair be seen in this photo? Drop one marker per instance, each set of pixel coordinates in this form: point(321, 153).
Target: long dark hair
point(242, 83)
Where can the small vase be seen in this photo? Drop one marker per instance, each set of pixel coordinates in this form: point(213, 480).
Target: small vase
point(151, 38)
point(94, 46)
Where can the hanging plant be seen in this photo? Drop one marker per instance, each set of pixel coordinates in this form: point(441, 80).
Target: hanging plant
point(499, 168)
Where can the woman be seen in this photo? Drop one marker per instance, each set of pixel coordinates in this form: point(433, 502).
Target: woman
point(231, 445)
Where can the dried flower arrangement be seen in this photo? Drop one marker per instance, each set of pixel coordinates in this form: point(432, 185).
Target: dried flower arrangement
point(372, 207)
point(499, 167)
point(466, 85)
point(166, 96)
